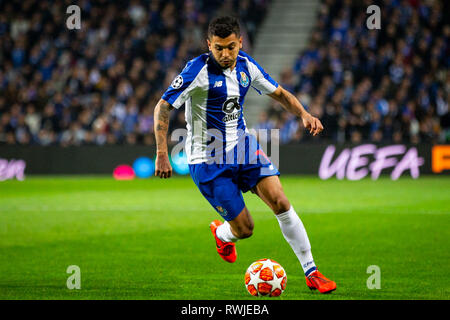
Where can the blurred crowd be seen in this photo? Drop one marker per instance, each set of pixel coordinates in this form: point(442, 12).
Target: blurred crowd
point(387, 86)
point(99, 84)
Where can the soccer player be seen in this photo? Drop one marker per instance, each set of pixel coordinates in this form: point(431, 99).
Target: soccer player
point(212, 87)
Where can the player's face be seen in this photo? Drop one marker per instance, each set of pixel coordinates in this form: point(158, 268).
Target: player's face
point(225, 50)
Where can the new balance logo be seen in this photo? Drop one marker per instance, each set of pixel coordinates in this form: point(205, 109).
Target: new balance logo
point(218, 84)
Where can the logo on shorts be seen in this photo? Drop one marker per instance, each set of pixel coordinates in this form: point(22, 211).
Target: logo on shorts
point(223, 212)
point(177, 82)
point(244, 79)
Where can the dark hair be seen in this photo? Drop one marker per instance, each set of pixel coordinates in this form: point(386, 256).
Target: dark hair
point(223, 27)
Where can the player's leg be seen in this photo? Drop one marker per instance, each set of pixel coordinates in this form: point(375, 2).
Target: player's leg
point(227, 233)
point(238, 224)
point(230, 205)
point(226, 198)
point(242, 225)
point(270, 190)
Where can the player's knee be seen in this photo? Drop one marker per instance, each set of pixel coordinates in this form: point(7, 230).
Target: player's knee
point(281, 204)
point(244, 232)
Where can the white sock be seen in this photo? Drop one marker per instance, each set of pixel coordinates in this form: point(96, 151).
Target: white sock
point(295, 234)
point(224, 233)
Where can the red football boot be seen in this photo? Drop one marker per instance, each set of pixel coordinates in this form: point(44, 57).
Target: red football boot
point(316, 280)
point(227, 250)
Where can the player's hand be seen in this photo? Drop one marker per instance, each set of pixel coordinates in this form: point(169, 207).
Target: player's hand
point(312, 124)
point(163, 169)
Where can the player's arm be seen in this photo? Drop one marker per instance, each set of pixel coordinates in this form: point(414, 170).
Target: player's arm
point(163, 169)
point(291, 104)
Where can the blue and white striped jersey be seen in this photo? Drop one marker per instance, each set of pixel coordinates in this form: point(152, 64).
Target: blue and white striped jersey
point(214, 98)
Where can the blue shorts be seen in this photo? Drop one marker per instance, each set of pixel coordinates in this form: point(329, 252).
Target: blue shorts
point(222, 184)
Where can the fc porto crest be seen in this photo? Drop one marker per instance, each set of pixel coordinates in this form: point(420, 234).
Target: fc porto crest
point(223, 212)
point(244, 79)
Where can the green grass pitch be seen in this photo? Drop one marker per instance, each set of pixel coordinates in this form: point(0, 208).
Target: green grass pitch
point(150, 239)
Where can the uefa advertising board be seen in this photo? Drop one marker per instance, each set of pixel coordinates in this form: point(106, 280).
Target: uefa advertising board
point(351, 162)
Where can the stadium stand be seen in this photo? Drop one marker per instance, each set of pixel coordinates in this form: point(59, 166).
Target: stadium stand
point(99, 85)
point(387, 85)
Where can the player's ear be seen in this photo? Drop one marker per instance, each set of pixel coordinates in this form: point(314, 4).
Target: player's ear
point(209, 44)
point(240, 42)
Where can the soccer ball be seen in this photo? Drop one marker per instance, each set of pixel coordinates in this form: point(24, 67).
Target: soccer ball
point(265, 277)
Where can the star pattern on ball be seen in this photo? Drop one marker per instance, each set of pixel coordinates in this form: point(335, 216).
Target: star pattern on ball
point(266, 277)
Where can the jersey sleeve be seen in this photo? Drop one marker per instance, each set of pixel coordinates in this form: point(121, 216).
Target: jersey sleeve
point(261, 80)
point(182, 86)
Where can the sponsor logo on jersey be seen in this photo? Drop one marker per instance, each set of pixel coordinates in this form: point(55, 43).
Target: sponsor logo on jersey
point(232, 109)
